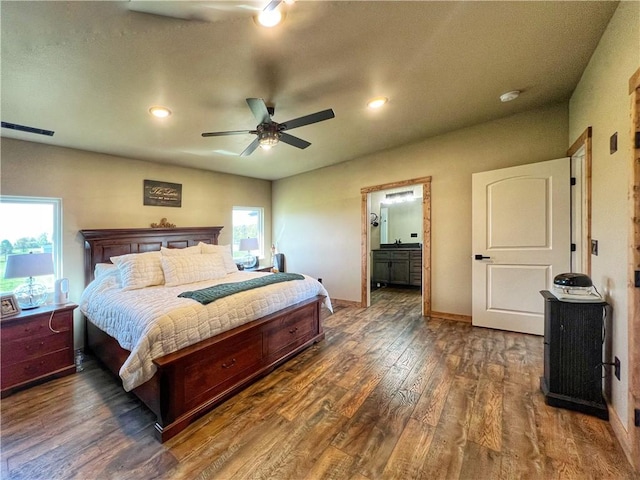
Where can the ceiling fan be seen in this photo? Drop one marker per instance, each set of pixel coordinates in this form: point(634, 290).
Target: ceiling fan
point(268, 132)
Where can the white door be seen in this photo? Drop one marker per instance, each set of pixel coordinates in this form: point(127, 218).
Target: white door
point(521, 240)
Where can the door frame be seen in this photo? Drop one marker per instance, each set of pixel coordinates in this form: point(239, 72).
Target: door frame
point(584, 143)
point(365, 243)
point(633, 317)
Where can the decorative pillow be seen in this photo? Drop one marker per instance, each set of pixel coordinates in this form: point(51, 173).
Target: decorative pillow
point(224, 251)
point(139, 270)
point(176, 252)
point(182, 269)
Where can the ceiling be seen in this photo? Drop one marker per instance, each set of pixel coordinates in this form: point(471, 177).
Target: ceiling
point(90, 71)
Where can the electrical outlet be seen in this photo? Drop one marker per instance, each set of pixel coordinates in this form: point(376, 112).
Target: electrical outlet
point(616, 371)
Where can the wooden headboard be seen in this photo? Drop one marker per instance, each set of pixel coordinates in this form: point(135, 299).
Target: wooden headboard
point(101, 245)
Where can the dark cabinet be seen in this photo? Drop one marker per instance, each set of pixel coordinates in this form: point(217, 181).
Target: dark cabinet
point(573, 343)
point(399, 267)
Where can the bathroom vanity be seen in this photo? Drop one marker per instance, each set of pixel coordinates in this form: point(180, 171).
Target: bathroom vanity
point(397, 264)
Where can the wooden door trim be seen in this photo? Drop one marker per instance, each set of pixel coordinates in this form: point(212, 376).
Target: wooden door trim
point(585, 140)
point(633, 326)
point(426, 238)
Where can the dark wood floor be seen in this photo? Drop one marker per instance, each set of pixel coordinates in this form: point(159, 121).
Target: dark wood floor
point(388, 394)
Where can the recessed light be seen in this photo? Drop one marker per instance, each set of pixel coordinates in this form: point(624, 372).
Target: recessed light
point(512, 95)
point(160, 112)
point(377, 102)
point(271, 18)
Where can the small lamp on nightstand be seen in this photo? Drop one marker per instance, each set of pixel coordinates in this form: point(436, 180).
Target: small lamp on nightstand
point(29, 294)
point(248, 244)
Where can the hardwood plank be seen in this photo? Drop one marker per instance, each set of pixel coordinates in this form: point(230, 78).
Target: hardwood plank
point(433, 399)
point(410, 451)
point(480, 460)
point(485, 426)
point(446, 454)
point(523, 458)
point(333, 464)
point(554, 432)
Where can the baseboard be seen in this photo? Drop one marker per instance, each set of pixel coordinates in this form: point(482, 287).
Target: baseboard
point(451, 316)
point(336, 302)
point(621, 433)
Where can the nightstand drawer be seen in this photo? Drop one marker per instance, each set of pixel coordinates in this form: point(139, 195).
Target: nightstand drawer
point(28, 348)
point(36, 367)
point(37, 326)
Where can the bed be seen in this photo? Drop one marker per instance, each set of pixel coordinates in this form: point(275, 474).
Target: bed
point(182, 385)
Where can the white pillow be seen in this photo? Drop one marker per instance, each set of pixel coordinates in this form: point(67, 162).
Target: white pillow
point(139, 270)
point(224, 251)
point(175, 252)
point(103, 269)
point(182, 269)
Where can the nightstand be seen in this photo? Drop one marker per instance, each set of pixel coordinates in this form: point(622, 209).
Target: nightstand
point(258, 269)
point(36, 345)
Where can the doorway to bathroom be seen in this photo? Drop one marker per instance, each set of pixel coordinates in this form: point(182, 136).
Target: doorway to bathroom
point(369, 217)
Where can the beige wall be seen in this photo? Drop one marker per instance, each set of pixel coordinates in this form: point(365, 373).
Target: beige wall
point(317, 214)
point(602, 101)
point(102, 191)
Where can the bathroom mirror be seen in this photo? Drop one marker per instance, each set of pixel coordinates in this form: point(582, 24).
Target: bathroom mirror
point(396, 221)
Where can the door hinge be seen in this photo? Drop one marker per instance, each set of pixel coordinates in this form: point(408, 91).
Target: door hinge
point(573, 247)
point(637, 278)
point(573, 181)
point(637, 140)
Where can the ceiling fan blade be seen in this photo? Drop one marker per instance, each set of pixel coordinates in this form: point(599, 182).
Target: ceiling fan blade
point(251, 148)
point(272, 5)
point(295, 141)
point(259, 109)
point(308, 119)
point(233, 132)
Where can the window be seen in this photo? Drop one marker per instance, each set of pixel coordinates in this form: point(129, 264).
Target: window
point(248, 223)
point(30, 224)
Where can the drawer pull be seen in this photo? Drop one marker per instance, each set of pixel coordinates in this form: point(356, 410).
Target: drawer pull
point(229, 365)
point(293, 330)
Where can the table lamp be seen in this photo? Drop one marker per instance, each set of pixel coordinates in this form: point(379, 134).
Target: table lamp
point(29, 294)
point(249, 244)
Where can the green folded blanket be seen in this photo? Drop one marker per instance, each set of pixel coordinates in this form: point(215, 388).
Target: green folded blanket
point(210, 294)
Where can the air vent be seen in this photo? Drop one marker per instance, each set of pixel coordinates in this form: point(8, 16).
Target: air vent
point(24, 128)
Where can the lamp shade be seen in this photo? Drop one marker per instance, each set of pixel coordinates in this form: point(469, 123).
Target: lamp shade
point(29, 265)
point(248, 244)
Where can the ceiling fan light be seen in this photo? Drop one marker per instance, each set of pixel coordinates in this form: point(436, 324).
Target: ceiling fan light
point(268, 139)
point(271, 18)
point(160, 112)
point(377, 102)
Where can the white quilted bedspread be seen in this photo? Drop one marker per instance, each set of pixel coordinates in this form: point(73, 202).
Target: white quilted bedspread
point(153, 321)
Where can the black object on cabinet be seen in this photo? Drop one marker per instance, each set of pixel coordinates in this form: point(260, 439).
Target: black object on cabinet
point(573, 338)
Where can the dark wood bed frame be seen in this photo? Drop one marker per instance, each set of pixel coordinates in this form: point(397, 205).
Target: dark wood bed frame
point(192, 381)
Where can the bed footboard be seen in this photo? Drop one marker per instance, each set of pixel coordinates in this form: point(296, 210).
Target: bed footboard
point(195, 379)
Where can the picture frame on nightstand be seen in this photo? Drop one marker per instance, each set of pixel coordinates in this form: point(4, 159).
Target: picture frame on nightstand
point(10, 307)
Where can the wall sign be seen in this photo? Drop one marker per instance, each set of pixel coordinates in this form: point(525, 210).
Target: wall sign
point(162, 194)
